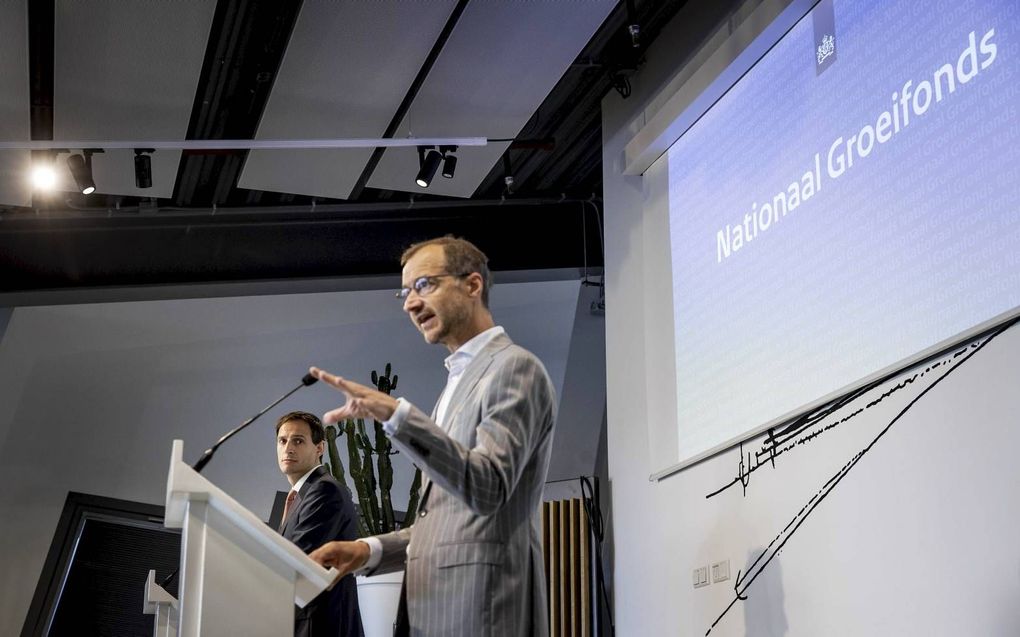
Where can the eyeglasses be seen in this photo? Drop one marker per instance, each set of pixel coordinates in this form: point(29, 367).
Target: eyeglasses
point(425, 285)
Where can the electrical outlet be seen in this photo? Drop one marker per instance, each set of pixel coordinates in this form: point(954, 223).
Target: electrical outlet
point(700, 576)
point(720, 571)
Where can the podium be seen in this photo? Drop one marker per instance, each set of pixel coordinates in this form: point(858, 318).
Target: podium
point(163, 605)
point(238, 576)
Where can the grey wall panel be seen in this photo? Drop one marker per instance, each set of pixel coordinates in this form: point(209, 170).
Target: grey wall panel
point(126, 71)
point(498, 66)
point(14, 103)
point(347, 67)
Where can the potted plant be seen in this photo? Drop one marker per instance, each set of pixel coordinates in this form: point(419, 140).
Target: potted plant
point(378, 596)
point(375, 507)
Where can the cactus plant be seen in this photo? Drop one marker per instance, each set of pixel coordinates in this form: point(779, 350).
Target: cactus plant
point(375, 505)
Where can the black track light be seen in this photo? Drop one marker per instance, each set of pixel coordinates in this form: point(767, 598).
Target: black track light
point(633, 27)
point(635, 35)
point(449, 160)
point(449, 165)
point(428, 169)
point(81, 169)
point(143, 168)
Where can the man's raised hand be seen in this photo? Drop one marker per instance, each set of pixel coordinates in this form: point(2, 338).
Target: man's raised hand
point(362, 401)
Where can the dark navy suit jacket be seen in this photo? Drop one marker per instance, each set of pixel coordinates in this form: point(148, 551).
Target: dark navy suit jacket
point(324, 512)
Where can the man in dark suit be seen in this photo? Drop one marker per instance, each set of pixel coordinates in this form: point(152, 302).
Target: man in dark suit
point(318, 510)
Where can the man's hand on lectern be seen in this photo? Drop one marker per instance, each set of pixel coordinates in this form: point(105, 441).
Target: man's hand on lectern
point(346, 557)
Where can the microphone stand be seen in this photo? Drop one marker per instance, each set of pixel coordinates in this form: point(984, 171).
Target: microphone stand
point(307, 380)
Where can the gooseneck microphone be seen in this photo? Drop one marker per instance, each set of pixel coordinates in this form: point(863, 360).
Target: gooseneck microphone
point(307, 380)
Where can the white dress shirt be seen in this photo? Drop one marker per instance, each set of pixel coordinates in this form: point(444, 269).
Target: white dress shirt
point(301, 481)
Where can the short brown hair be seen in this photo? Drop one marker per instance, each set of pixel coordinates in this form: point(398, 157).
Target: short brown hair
point(313, 422)
point(462, 257)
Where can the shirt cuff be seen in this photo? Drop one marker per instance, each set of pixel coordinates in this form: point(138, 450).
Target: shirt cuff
point(399, 416)
point(374, 555)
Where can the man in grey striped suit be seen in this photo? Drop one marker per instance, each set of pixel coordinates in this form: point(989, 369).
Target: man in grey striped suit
point(474, 555)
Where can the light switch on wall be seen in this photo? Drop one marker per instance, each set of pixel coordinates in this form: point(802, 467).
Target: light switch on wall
point(700, 576)
point(721, 571)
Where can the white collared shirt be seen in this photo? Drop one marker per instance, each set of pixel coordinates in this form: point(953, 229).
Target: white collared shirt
point(301, 481)
point(455, 364)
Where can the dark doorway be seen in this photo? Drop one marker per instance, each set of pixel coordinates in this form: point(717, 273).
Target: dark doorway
point(94, 575)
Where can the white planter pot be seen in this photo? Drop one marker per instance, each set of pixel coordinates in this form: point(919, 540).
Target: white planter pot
point(379, 597)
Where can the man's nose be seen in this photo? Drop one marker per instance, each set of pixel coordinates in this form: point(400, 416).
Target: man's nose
point(412, 302)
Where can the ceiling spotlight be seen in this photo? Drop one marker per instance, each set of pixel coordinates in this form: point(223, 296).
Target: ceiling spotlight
point(449, 166)
point(508, 174)
point(429, 166)
point(633, 28)
point(449, 160)
point(635, 35)
point(81, 170)
point(143, 168)
point(44, 177)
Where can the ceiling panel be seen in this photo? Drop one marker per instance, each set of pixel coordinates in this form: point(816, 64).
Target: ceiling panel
point(15, 189)
point(128, 71)
point(347, 67)
point(501, 61)
point(14, 103)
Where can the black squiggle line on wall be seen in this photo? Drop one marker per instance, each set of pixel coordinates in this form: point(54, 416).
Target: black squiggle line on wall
point(741, 584)
point(795, 434)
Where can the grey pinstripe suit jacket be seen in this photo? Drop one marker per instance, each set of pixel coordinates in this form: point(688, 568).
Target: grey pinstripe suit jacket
point(474, 555)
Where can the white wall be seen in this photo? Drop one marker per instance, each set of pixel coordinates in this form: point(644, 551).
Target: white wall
point(92, 395)
point(582, 408)
point(916, 539)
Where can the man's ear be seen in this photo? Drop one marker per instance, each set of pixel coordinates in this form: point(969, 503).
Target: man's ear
point(321, 446)
point(475, 284)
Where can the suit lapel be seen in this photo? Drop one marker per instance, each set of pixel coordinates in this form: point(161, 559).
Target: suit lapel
point(313, 477)
point(476, 369)
point(425, 481)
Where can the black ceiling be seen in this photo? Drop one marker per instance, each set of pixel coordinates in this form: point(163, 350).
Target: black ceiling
point(212, 231)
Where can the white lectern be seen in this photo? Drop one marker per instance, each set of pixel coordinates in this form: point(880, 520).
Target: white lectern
point(238, 576)
point(163, 605)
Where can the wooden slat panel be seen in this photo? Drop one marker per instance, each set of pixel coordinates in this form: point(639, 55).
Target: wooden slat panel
point(567, 560)
point(564, 570)
point(554, 570)
point(566, 577)
point(586, 579)
point(546, 548)
point(545, 540)
point(574, 542)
